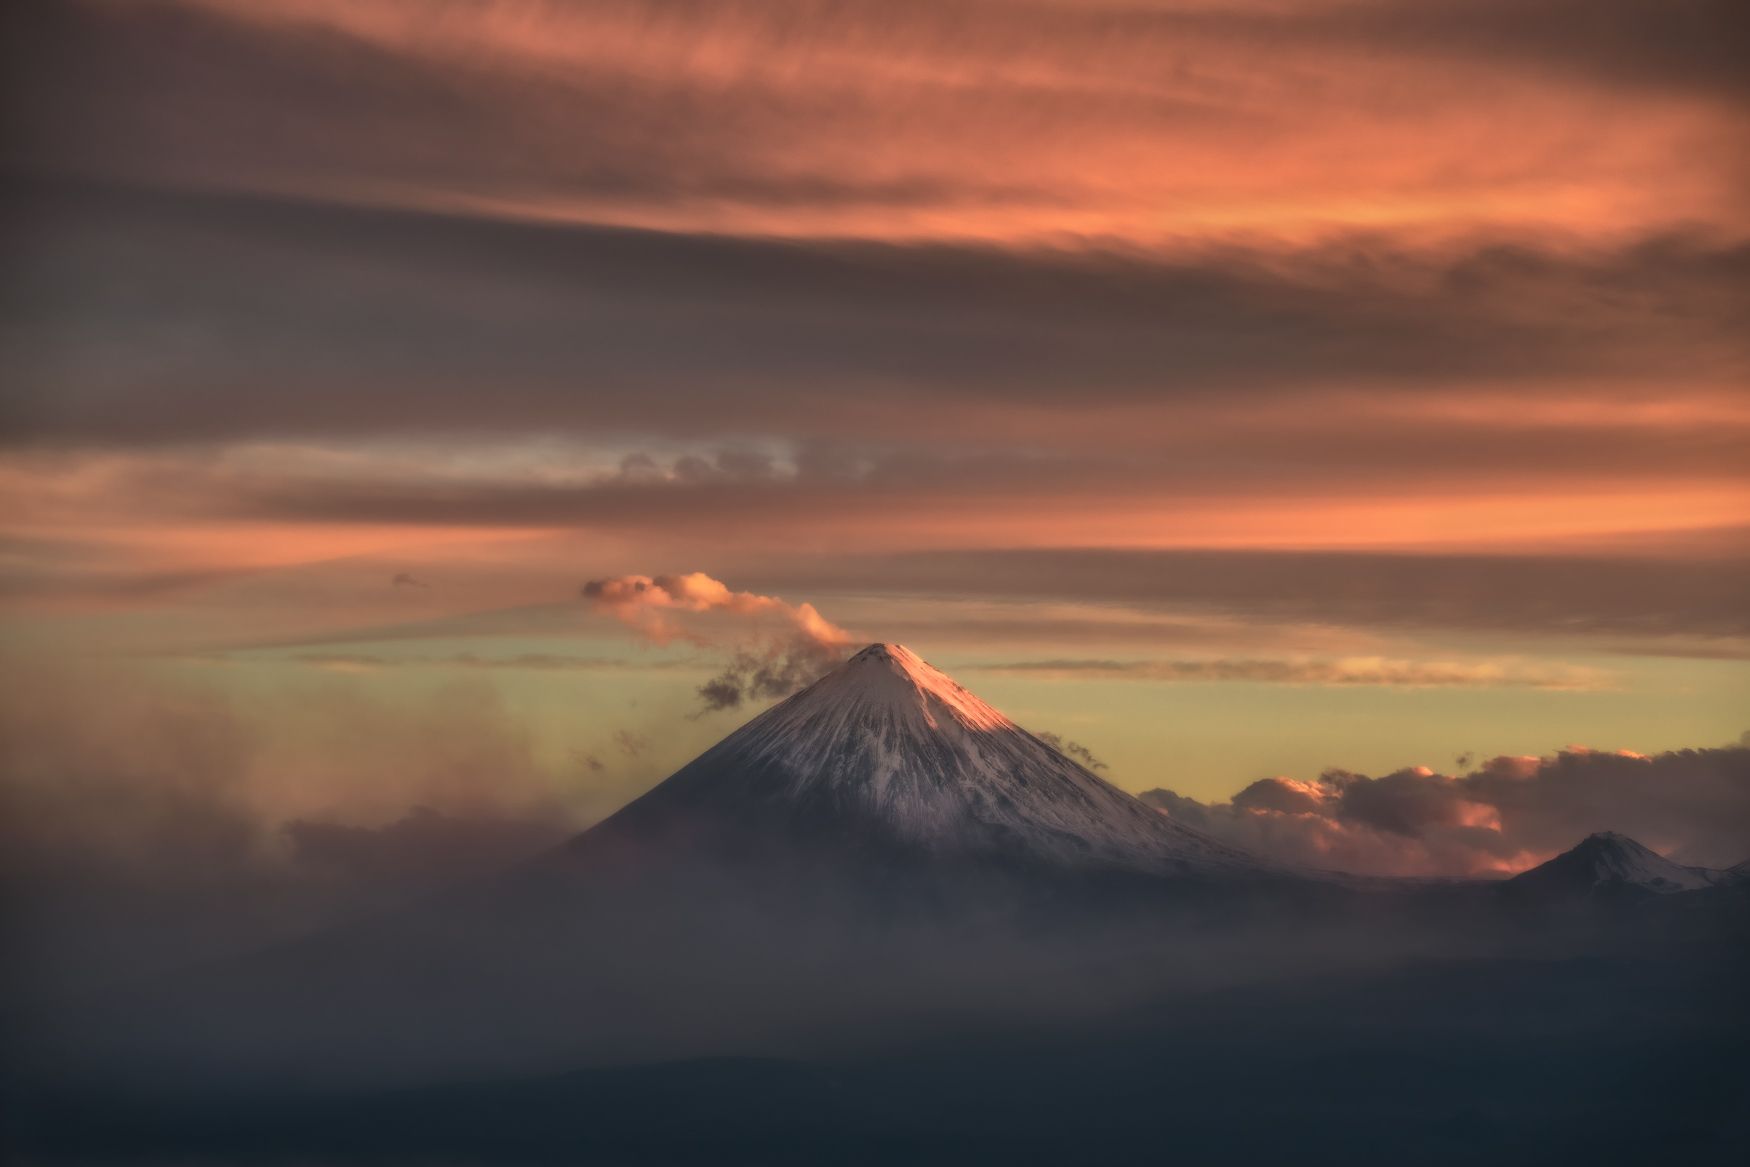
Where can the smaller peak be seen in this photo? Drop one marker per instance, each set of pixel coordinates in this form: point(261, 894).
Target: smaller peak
point(1610, 859)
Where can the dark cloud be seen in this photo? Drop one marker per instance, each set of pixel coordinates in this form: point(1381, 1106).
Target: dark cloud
point(1510, 813)
point(766, 674)
point(1404, 803)
point(177, 93)
point(160, 318)
point(1689, 47)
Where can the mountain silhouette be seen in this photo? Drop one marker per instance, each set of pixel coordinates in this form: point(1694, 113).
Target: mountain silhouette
point(1609, 864)
point(878, 853)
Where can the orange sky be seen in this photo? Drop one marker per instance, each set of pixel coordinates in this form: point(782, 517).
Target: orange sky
point(305, 299)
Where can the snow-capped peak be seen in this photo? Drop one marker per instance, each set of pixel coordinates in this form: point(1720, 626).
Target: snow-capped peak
point(894, 675)
point(888, 747)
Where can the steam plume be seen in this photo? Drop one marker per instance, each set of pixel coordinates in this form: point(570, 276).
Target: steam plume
point(773, 667)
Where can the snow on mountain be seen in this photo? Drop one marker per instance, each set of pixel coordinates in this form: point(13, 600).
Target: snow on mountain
point(1608, 861)
point(888, 749)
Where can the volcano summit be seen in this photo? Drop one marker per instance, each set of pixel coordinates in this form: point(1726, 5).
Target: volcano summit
point(889, 752)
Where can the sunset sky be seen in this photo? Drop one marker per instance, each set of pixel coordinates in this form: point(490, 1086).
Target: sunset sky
point(1237, 390)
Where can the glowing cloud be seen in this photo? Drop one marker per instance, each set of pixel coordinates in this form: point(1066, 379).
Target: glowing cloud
point(1509, 814)
point(643, 602)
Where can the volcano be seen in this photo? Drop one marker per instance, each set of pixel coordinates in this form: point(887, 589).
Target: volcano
point(887, 753)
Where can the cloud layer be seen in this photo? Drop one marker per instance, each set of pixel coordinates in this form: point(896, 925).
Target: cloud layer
point(867, 276)
point(1002, 118)
point(146, 309)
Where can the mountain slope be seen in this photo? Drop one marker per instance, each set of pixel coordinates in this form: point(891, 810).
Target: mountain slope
point(888, 751)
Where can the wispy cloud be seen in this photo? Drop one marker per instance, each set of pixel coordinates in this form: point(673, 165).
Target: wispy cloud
point(1507, 673)
point(370, 662)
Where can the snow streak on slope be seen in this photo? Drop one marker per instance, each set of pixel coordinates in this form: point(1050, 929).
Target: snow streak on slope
point(888, 749)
